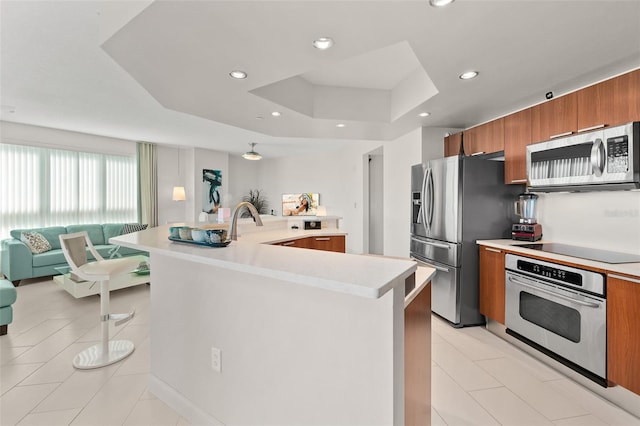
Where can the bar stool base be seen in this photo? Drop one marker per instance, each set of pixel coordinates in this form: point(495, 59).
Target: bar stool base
point(93, 357)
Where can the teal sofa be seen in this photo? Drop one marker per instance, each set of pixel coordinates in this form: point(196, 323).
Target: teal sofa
point(19, 263)
point(8, 296)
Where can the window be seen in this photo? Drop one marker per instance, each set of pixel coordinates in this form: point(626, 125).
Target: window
point(48, 187)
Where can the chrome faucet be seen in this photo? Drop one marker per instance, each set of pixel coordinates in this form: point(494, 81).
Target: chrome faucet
point(234, 218)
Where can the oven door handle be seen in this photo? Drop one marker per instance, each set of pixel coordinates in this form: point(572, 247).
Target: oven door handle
point(551, 293)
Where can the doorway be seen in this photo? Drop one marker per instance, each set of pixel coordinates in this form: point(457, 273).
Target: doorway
point(375, 202)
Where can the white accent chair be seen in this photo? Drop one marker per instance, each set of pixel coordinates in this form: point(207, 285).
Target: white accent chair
point(74, 248)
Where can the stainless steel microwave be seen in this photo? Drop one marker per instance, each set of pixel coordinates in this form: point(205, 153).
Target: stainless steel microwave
point(605, 159)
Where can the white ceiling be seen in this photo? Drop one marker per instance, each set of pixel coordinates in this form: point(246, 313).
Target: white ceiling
point(158, 71)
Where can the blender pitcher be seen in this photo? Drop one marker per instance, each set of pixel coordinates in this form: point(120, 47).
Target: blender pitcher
point(525, 207)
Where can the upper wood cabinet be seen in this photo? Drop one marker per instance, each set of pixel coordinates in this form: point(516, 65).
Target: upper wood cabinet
point(492, 290)
point(626, 97)
point(485, 138)
point(452, 144)
point(554, 118)
point(517, 135)
point(610, 103)
point(623, 332)
point(595, 106)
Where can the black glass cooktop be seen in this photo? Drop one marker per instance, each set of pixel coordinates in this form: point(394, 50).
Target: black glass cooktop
point(584, 253)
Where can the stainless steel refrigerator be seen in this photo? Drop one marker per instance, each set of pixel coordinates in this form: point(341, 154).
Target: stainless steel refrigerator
point(456, 201)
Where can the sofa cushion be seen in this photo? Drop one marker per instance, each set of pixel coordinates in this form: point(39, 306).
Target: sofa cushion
point(133, 227)
point(96, 234)
point(52, 257)
point(51, 234)
point(36, 242)
point(112, 230)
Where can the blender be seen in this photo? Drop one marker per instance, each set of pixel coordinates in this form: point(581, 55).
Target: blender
point(527, 229)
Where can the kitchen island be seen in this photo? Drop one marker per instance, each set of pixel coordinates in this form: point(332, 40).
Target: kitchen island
point(260, 334)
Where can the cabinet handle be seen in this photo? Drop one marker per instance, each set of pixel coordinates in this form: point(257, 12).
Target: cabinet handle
point(290, 243)
point(586, 129)
point(559, 135)
point(620, 277)
point(493, 250)
point(518, 181)
point(477, 153)
point(323, 239)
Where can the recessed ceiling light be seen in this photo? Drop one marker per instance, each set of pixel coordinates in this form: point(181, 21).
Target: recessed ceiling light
point(468, 75)
point(424, 114)
point(276, 114)
point(238, 74)
point(323, 43)
point(259, 118)
point(440, 3)
point(340, 125)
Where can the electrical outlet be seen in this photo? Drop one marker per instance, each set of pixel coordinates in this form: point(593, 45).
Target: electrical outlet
point(216, 363)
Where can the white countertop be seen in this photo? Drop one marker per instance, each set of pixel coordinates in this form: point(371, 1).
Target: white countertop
point(364, 276)
point(513, 246)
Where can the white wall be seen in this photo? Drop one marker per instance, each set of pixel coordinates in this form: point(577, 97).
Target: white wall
point(337, 177)
point(244, 175)
point(608, 220)
point(399, 156)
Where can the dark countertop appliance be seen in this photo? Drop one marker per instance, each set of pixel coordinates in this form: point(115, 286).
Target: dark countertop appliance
point(454, 202)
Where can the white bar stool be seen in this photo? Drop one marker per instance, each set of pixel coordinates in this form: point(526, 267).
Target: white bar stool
point(106, 352)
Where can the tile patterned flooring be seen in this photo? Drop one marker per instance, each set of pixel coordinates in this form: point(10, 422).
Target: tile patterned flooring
point(478, 379)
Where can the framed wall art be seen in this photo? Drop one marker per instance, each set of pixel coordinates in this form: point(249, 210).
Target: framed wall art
point(211, 181)
point(300, 204)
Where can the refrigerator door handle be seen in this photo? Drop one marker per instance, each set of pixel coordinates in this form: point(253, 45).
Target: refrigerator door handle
point(429, 243)
point(423, 215)
point(431, 198)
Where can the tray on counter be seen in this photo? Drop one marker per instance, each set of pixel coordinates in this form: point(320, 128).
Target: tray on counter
point(197, 243)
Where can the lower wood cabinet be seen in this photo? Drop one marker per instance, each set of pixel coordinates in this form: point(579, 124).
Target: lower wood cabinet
point(328, 243)
point(332, 243)
point(300, 243)
point(492, 283)
point(623, 331)
point(417, 360)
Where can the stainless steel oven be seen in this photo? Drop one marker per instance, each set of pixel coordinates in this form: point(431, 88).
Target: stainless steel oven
point(560, 310)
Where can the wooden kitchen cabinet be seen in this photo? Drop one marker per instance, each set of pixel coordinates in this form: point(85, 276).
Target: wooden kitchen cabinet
point(335, 243)
point(299, 243)
point(492, 290)
point(453, 144)
point(626, 95)
point(517, 135)
point(417, 359)
point(623, 332)
point(554, 118)
point(595, 106)
point(485, 138)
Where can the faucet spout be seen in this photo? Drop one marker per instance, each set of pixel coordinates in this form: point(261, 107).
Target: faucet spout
point(234, 219)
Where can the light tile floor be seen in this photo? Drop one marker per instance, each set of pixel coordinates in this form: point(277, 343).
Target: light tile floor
point(478, 379)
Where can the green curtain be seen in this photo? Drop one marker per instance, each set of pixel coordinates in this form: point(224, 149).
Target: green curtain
point(147, 183)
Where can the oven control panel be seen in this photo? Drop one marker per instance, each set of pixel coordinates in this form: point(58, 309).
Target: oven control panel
point(555, 273)
point(567, 276)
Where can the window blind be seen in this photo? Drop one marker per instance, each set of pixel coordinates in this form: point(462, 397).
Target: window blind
point(51, 187)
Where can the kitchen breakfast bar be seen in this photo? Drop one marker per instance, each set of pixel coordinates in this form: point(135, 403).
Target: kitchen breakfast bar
point(254, 333)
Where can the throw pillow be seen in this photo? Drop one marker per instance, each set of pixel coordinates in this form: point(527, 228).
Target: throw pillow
point(133, 227)
point(36, 242)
